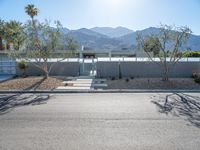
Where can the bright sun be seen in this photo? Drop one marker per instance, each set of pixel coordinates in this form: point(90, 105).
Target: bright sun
point(111, 6)
point(113, 3)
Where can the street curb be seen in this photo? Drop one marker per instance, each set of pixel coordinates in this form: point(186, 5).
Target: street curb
point(99, 91)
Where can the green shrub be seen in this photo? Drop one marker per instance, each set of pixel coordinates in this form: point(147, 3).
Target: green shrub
point(196, 77)
point(112, 78)
point(127, 79)
point(192, 54)
point(23, 65)
point(197, 80)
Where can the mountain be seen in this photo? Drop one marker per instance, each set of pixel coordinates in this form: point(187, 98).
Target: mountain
point(112, 32)
point(94, 40)
point(131, 38)
point(65, 30)
point(193, 42)
point(149, 31)
point(101, 38)
point(89, 33)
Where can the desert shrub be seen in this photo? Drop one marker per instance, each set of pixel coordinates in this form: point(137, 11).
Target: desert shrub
point(23, 65)
point(197, 80)
point(127, 79)
point(112, 78)
point(192, 54)
point(196, 77)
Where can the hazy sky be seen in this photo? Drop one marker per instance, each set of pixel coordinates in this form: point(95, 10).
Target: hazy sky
point(134, 14)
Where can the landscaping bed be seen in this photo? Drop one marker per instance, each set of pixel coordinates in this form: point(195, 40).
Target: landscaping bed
point(31, 83)
point(39, 83)
point(152, 83)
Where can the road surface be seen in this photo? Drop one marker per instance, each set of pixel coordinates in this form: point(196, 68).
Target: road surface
point(142, 121)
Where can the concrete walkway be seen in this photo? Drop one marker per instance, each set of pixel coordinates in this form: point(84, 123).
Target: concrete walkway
point(83, 83)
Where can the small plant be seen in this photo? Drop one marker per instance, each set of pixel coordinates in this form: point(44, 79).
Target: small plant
point(197, 80)
point(196, 77)
point(127, 79)
point(112, 78)
point(192, 54)
point(132, 78)
point(23, 65)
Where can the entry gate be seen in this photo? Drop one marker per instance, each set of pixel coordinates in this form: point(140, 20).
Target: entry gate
point(88, 67)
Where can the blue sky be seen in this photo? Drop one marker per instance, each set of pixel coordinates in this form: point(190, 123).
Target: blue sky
point(134, 14)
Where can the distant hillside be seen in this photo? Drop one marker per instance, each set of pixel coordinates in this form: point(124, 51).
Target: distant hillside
point(94, 40)
point(120, 38)
point(131, 38)
point(65, 30)
point(193, 42)
point(112, 32)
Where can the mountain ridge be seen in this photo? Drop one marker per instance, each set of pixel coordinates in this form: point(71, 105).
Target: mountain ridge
point(112, 32)
point(97, 39)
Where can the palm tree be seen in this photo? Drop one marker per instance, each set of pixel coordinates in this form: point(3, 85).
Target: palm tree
point(1, 34)
point(32, 11)
point(14, 34)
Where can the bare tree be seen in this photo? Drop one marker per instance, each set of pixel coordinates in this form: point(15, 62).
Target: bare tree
point(42, 42)
point(165, 45)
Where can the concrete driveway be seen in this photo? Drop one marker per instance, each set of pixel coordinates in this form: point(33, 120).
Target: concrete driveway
point(100, 122)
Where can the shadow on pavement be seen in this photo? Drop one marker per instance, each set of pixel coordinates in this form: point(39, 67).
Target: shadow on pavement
point(180, 105)
point(9, 102)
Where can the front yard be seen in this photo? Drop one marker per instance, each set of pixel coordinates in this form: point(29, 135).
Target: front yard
point(39, 83)
point(31, 83)
point(153, 83)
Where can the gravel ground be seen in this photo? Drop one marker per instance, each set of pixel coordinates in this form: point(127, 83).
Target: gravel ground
point(31, 83)
point(153, 83)
point(38, 83)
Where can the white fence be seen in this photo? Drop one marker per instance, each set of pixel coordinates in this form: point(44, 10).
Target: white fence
point(114, 59)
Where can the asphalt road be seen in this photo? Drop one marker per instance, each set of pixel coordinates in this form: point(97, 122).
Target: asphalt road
point(100, 122)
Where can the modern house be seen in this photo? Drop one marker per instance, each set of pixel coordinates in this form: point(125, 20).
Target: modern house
point(105, 53)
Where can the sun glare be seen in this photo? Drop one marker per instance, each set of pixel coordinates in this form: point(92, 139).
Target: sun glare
point(113, 4)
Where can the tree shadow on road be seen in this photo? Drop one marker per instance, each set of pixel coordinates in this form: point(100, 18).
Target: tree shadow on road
point(180, 105)
point(9, 102)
